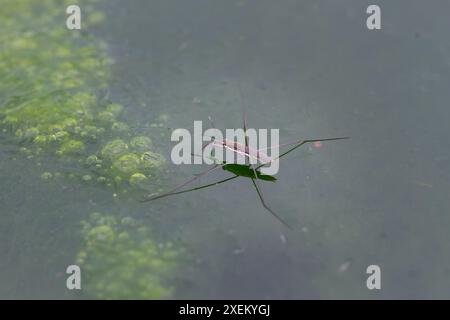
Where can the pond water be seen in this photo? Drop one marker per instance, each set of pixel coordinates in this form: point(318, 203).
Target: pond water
point(311, 69)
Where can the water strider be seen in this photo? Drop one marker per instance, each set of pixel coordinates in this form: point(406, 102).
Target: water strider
point(249, 170)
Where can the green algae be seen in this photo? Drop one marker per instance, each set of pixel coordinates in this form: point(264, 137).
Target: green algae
point(121, 260)
point(114, 149)
point(141, 143)
point(71, 147)
point(46, 176)
point(138, 179)
point(124, 159)
point(50, 93)
point(126, 164)
point(51, 102)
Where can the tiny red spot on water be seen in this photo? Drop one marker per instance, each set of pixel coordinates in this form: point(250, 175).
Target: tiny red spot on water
point(318, 144)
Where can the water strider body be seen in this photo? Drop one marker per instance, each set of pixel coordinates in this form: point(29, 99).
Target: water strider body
point(247, 151)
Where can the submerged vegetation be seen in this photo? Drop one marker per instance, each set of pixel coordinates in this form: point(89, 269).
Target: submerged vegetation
point(51, 103)
point(51, 79)
point(121, 259)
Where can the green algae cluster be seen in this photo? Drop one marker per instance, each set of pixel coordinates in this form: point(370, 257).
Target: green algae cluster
point(50, 94)
point(121, 260)
point(52, 102)
point(128, 160)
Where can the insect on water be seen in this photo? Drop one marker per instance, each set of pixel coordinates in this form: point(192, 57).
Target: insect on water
point(249, 170)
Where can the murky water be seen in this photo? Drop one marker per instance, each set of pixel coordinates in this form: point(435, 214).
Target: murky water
point(310, 68)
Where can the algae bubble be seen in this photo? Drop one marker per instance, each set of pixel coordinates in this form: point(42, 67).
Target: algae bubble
point(138, 179)
point(141, 143)
point(46, 176)
point(152, 161)
point(121, 260)
point(114, 149)
point(127, 164)
point(72, 147)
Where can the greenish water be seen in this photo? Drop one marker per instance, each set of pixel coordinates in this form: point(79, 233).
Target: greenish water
point(311, 69)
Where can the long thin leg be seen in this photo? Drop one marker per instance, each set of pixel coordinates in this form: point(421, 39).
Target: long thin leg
point(189, 190)
point(178, 187)
point(261, 197)
point(256, 184)
point(300, 143)
point(206, 144)
point(310, 141)
point(197, 176)
point(282, 145)
point(244, 114)
point(258, 190)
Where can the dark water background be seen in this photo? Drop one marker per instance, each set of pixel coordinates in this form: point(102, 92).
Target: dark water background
point(312, 69)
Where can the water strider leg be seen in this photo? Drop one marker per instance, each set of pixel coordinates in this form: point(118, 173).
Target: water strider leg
point(178, 187)
point(192, 189)
point(299, 144)
point(263, 202)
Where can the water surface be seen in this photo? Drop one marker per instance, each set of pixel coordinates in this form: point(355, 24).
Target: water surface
point(310, 68)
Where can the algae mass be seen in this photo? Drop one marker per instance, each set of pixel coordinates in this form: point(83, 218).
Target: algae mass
point(50, 101)
point(122, 261)
point(51, 104)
